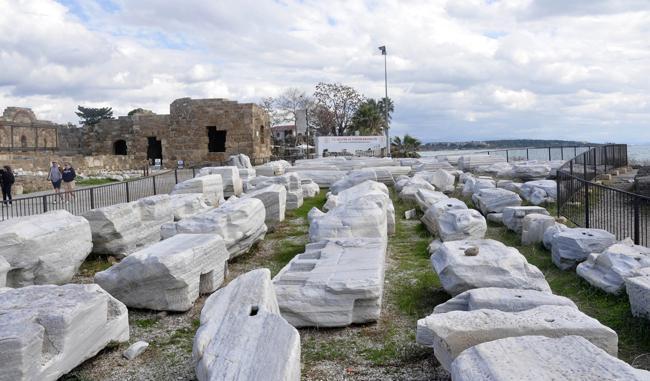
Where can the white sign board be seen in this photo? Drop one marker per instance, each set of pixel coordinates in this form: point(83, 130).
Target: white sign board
point(350, 145)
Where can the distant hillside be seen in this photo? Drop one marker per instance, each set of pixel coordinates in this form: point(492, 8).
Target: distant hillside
point(489, 144)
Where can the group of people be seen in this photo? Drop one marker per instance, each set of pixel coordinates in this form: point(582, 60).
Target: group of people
point(7, 180)
point(62, 175)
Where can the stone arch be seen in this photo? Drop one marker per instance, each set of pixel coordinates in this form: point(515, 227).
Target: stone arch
point(120, 147)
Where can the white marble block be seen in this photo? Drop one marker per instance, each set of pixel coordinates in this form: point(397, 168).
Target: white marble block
point(232, 182)
point(309, 188)
point(324, 178)
point(240, 222)
point(333, 283)
point(495, 265)
point(432, 215)
point(43, 249)
point(457, 224)
point(513, 216)
point(638, 291)
point(121, 229)
point(424, 198)
point(533, 228)
point(550, 233)
point(4, 270)
point(608, 270)
point(531, 170)
point(494, 200)
point(370, 191)
point(274, 198)
point(273, 168)
point(573, 246)
point(169, 275)
point(187, 205)
point(46, 331)
point(443, 180)
point(211, 186)
point(539, 192)
point(242, 335)
point(357, 218)
point(535, 358)
point(502, 299)
point(410, 189)
point(455, 331)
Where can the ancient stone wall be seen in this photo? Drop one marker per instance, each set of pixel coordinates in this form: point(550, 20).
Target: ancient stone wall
point(40, 161)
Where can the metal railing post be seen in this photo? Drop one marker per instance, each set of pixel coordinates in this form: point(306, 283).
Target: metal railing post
point(175, 176)
point(153, 178)
point(527, 155)
point(92, 198)
point(605, 159)
point(549, 153)
point(507, 156)
point(587, 204)
point(637, 222)
point(44, 203)
point(193, 172)
point(128, 196)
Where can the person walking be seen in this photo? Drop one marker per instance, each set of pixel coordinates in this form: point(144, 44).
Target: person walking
point(56, 177)
point(7, 180)
point(68, 175)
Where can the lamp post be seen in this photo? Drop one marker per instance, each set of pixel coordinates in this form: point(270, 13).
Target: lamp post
point(382, 49)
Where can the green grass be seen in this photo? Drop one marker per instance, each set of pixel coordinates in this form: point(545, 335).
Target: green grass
point(94, 182)
point(309, 203)
point(93, 265)
point(146, 323)
point(611, 310)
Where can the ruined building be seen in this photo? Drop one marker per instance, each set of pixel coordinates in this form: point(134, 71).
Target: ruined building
point(195, 131)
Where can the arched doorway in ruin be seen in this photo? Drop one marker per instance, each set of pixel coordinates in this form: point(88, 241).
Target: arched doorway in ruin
point(119, 147)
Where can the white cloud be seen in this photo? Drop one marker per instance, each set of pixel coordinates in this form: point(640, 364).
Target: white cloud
point(461, 69)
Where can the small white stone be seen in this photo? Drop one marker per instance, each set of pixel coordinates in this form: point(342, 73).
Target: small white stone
point(135, 350)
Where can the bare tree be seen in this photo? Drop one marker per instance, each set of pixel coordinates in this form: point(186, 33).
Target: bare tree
point(341, 100)
point(268, 104)
point(290, 102)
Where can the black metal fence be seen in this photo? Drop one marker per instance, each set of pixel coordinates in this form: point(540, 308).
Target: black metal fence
point(82, 200)
point(591, 205)
point(538, 153)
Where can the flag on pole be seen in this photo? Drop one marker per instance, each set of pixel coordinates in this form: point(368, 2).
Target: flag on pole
point(383, 50)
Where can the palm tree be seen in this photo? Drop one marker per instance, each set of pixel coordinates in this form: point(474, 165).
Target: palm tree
point(391, 108)
point(405, 147)
point(368, 119)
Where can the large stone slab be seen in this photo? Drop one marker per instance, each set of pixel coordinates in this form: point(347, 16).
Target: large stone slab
point(573, 246)
point(243, 163)
point(608, 270)
point(169, 275)
point(46, 331)
point(291, 182)
point(232, 182)
point(495, 265)
point(473, 161)
point(456, 331)
point(411, 188)
point(539, 192)
point(357, 218)
point(432, 215)
point(425, 198)
point(533, 228)
point(368, 190)
point(309, 188)
point(533, 358)
point(187, 205)
point(531, 170)
point(359, 176)
point(502, 299)
point(242, 335)
point(333, 283)
point(443, 180)
point(457, 224)
point(211, 186)
point(513, 216)
point(240, 222)
point(274, 198)
point(273, 168)
point(122, 229)
point(638, 291)
point(549, 234)
point(494, 200)
point(324, 178)
point(475, 184)
point(43, 249)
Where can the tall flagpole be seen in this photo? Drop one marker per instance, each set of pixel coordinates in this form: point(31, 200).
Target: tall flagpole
point(383, 53)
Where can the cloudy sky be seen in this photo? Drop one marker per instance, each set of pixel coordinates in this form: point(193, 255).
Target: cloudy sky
point(457, 69)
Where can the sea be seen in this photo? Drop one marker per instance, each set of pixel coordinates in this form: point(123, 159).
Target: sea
point(637, 153)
